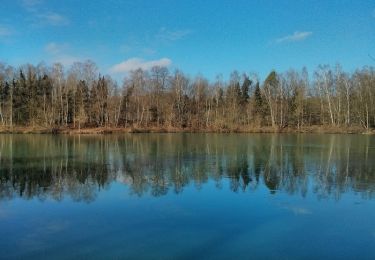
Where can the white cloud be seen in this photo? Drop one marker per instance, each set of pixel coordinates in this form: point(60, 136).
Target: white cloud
point(137, 63)
point(40, 16)
point(148, 51)
point(31, 5)
point(137, 50)
point(295, 37)
point(5, 31)
point(148, 45)
point(52, 18)
point(55, 48)
point(167, 35)
point(57, 52)
point(31, 2)
point(66, 60)
point(125, 48)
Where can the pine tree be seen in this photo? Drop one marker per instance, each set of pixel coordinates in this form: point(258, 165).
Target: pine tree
point(245, 90)
point(258, 100)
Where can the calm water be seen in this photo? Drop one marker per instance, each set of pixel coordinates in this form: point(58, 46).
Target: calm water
point(187, 196)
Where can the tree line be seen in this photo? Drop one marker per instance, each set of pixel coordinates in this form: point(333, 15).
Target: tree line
point(80, 97)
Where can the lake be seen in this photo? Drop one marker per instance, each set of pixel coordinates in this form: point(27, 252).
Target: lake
point(187, 196)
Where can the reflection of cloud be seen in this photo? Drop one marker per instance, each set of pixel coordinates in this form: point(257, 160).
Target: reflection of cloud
point(137, 63)
point(38, 238)
point(125, 179)
point(297, 210)
point(53, 227)
point(300, 211)
point(295, 37)
point(4, 214)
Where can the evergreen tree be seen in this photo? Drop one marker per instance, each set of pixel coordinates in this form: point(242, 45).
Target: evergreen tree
point(258, 100)
point(245, 90)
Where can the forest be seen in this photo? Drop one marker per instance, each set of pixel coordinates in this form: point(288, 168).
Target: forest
point(79, 97)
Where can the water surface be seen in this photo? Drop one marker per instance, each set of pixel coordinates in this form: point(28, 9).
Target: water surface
point(186, 196)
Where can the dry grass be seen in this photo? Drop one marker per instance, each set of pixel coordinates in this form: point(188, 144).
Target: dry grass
point(113, 130)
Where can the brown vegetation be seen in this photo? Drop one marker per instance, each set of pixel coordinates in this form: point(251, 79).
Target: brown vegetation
point(41, 99)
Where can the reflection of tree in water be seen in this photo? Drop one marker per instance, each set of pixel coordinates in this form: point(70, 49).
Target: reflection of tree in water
point(79, 167)
point(52, 168)
point(342, 166)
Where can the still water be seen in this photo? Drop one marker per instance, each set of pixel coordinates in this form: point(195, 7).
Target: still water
point(187, 196)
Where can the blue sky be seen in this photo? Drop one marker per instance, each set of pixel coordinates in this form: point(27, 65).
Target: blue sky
point(207, 37)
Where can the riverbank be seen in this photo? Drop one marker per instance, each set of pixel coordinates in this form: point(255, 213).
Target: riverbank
point(119, 130)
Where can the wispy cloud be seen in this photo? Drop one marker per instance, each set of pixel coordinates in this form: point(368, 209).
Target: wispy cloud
point(55, 48)
point(171, 35)
point(295, 37)
point(126, 48)
point(59, 52)
point(41, 16)
point(136, 49)
point(5, 31)
point(66, 59)
point(149, 43)
point(148, 51)
point(31, 5)
point(52, 18)
point(137, 63)
point(28, 3)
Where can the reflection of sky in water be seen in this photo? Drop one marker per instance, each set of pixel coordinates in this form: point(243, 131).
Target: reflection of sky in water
point(187, 196)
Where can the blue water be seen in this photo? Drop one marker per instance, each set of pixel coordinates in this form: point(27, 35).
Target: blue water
point(187, 196)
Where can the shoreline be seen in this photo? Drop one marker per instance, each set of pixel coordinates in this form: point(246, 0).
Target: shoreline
point(129, 130)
